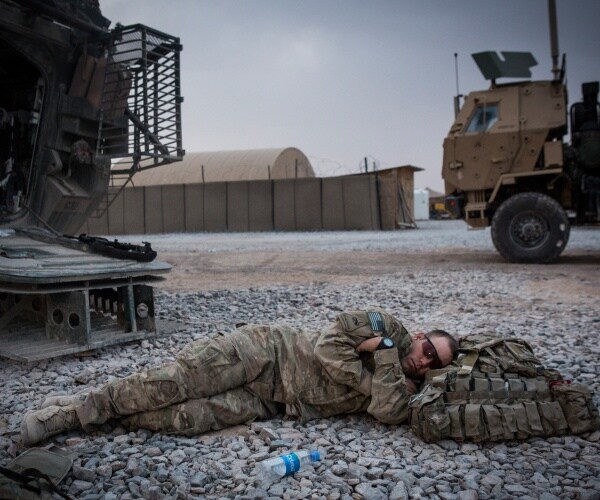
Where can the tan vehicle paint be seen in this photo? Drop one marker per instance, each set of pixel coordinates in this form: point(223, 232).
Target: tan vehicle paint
point(506, 163)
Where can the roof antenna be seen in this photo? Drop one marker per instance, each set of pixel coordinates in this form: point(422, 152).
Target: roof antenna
point(458, 94)
point(556, 71)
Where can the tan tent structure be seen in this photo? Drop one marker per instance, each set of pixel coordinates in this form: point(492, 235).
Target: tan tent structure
point(225, 166)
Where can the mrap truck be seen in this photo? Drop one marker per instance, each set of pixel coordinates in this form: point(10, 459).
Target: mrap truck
point(506, 161)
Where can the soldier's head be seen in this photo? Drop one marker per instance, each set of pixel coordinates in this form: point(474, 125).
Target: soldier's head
point(429, 351)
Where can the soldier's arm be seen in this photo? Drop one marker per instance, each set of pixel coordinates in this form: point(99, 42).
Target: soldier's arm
point(336, 350)
point(389, 392)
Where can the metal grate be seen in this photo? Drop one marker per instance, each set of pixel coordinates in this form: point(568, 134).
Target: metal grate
point(140, 125)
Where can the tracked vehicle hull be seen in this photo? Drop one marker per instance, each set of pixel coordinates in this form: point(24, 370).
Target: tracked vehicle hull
point(57, 299)
point(82, 109)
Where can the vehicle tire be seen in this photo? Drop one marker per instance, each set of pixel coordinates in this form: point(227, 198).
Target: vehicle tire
point(530, 227)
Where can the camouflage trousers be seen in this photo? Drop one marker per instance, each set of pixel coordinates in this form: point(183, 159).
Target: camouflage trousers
point(202, 390)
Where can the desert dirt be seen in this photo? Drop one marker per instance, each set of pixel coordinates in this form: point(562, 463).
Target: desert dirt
point(576, 275)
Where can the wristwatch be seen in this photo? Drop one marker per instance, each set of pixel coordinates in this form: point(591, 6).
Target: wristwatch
point(386, 343)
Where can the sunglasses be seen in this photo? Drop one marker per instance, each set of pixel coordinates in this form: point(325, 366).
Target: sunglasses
point(431, 353)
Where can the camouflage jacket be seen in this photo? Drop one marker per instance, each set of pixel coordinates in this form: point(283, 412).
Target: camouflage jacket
point(320, 374)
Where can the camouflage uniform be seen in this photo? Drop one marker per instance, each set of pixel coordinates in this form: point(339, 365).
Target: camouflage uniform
point(259, 371)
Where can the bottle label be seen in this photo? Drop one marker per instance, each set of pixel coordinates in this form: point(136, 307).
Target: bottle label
point(292, 463)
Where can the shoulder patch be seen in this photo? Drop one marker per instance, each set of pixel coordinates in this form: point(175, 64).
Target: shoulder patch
point(376, 321)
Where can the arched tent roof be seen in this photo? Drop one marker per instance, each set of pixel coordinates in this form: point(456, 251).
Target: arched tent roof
point(221, 166)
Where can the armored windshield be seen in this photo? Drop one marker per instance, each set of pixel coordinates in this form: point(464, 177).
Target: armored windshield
point(483, 118)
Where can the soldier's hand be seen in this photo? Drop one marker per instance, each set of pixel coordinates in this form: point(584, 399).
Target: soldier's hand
point(369, 345)
point(411, 386)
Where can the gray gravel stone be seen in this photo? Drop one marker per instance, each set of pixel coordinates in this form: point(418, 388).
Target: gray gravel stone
point(371, 491)
point(361, 456)
point(467, 495)
point(399, 492)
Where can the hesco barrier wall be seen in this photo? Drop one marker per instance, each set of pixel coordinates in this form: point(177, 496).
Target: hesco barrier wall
point(361, 202)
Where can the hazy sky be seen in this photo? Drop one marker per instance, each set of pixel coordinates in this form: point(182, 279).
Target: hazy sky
point(345, 79)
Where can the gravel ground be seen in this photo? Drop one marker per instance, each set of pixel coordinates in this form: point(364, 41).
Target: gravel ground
point(553, 307)
point(433, 236)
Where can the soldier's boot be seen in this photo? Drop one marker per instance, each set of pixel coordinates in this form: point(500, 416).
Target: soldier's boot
point(65, 400)
point(38, 425)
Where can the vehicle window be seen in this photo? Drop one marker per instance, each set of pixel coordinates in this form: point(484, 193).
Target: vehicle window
point(484, 117)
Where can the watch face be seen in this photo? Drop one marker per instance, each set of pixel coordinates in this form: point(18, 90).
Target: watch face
point(388, 342)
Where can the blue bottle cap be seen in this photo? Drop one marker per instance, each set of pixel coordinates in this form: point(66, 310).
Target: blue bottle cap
point(315, 456)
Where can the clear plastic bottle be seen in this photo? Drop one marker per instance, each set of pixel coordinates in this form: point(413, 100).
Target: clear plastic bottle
point(272, 469)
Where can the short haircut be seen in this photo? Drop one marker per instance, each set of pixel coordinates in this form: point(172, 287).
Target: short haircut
point(443, 334)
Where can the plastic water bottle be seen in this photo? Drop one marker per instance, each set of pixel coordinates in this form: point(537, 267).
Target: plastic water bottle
point(272, 469)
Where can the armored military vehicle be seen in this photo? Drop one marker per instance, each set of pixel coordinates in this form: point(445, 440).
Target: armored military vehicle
point(82, 108)
point(506, 161)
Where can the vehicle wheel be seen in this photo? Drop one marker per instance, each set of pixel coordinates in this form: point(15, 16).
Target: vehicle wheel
point(530, 227)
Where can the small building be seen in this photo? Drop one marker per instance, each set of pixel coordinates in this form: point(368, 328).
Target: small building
point(437, 208)
point(396, 186)
point(435, 196)
point(421, 203)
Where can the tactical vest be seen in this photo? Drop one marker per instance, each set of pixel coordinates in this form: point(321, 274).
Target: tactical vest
point(498, 390)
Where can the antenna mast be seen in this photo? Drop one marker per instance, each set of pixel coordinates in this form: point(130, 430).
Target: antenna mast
point(553, 38)
point(458, 94)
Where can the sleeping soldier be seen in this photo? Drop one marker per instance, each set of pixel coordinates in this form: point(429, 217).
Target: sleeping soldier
point(364, 362)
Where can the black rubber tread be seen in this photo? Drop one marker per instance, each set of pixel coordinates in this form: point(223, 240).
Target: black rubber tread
point(539, 207)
